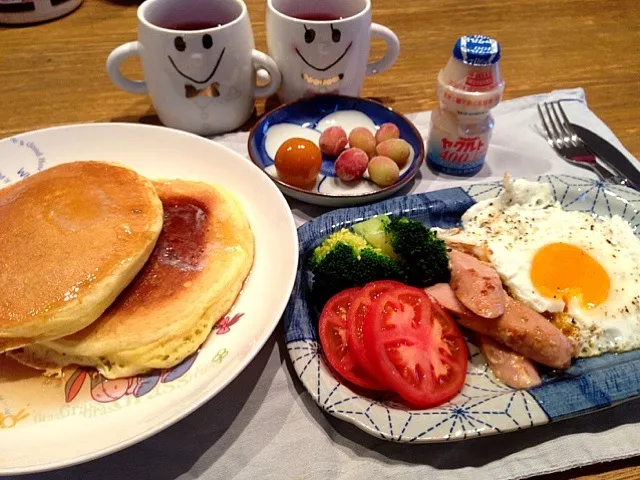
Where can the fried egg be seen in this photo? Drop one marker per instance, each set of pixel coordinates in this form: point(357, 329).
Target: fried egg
point(581, 271)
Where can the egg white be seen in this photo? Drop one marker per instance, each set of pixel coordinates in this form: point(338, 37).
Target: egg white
point(525, 218)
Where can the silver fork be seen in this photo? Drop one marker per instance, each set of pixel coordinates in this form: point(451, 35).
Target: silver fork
point(564, 140)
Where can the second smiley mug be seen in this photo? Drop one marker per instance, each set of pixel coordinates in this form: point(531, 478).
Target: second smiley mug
point(322, 46)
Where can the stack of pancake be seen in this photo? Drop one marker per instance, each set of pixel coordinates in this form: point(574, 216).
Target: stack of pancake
point(101, 267)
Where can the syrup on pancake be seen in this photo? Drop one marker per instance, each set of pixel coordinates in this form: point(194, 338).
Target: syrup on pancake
point(177, 257)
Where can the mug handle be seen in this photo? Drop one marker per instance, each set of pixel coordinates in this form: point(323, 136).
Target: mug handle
point(393, 49)
point(115, 59)
point(264, 64)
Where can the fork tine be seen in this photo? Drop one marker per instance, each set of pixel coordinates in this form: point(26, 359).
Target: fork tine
point(567, 125)
point(566, 135)
point(546, 127)
point(557, 134)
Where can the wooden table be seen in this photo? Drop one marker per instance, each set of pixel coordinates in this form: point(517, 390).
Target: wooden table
point(54, 73)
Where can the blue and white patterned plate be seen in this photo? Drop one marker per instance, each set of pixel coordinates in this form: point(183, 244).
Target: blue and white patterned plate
point(485, 406)
point(308, 118)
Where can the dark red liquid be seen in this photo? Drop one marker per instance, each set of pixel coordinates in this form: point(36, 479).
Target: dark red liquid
point(317, 16)
point(178, 256)
point(186, 25)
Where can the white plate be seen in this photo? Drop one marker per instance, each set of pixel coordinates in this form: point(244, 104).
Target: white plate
point(40, 429)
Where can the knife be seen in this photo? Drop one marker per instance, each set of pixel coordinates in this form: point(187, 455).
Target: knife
point(609, 155)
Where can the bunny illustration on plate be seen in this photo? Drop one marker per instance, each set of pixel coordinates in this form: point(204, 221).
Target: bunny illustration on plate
point(104, 390)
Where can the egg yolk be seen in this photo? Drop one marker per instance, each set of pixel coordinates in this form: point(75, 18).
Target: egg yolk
point(561, 270)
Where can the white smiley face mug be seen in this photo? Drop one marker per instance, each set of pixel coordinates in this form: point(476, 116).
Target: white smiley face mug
point(199, 64)
point(322, 46)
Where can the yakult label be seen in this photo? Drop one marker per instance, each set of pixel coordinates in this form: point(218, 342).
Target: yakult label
point(457, 155)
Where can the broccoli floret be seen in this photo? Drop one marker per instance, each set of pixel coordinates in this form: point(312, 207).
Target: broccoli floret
point(346, 260)
point(423, 255)
point(373, 230)
point(342, 236)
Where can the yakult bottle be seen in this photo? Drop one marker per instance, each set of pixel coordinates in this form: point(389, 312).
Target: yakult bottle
point(469, 86)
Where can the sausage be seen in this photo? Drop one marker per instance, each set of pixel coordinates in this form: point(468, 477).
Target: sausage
point(526, 332)
point(446, 297)
point(477, 285)
point(520, 328)
point(510, 367)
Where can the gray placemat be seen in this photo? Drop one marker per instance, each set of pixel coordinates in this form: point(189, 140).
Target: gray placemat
point(264, 425)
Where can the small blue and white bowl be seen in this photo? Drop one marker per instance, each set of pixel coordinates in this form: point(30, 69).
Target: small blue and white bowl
point(308, 118)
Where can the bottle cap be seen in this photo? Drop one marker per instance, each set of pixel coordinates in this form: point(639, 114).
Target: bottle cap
point(477, 50)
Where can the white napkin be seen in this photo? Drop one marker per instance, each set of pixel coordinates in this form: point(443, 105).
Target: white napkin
point(264, 425)
point(518, 146)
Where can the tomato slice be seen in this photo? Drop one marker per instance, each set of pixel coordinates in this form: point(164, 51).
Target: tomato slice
point(416, 347)
point(333, 337)
point(356, 316)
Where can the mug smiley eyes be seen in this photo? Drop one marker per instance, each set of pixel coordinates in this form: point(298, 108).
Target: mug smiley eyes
point(309, 34)
point(180, 44)
point(335, 34)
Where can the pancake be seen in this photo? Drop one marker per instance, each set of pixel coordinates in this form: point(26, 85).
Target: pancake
point(196, 271)
point(73, 237)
